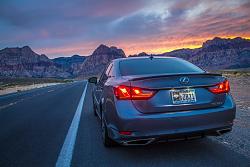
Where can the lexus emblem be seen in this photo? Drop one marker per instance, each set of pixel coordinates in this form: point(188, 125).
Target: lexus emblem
point(184, 80)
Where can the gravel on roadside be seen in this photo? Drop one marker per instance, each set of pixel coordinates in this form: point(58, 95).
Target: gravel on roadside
point(239, 139)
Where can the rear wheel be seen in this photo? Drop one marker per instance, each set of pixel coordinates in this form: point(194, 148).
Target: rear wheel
point(105, 138)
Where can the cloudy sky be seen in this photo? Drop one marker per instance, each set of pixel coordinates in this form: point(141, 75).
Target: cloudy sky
point(63, 27)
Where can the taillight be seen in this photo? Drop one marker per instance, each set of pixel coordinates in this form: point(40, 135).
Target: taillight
point(122, 92)
point(132, 93)
point(222, 87)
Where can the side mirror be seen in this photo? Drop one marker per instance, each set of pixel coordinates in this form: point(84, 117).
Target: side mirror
point(93, 80)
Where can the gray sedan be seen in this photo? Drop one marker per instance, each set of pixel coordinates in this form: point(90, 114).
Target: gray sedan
point(144, 100)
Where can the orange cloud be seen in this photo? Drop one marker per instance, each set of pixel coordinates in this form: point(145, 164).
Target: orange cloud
point(152, 26)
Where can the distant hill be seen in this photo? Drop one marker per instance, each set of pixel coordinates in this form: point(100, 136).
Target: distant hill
point(95, 63)
point(23, 62)
point(69, 64)
point(215, 54)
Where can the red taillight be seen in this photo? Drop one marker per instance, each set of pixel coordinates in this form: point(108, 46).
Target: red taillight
point(138, 93)
point(132, 93)
point(122, 92)
point(222, 87)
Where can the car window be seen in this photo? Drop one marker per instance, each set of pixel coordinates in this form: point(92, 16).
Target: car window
point(108, 69)
point(103, 78)
point(104, 75)
point(157, 66)
point(111, 71)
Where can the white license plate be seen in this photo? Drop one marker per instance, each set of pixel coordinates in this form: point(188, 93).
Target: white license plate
point(183, 96)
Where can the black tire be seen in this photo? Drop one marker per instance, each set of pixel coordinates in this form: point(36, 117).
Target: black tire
point(94, 106)
point(105, 138)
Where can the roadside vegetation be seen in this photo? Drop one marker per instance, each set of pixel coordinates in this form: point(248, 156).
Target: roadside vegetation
point(234, 72)
point(12, 82)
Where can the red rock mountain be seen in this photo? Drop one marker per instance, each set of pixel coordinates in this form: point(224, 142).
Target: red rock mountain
point(23, 62)
point(95, 63)
point(215, 54)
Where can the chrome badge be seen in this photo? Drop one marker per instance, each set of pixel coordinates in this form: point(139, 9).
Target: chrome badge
point(184, 80)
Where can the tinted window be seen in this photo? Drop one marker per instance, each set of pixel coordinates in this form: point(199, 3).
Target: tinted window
point(108, 69)
point(157, 66)
point(104, 75)
point(112, 71)
point(103, 78)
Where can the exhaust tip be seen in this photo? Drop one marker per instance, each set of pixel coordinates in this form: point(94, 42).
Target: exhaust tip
point(222, 131)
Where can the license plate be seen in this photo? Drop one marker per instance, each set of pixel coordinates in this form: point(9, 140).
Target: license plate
point(183, 96)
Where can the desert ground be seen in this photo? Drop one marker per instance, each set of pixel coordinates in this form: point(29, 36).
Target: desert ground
point(239, 138)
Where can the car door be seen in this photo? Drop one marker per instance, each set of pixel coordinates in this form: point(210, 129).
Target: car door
point(100, 87)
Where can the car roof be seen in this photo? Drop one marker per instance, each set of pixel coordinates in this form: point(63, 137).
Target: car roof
point(143, 57)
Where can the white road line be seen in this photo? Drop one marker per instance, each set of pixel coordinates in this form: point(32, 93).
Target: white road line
point(65, 156)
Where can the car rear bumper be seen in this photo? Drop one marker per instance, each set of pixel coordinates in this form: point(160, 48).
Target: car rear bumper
point(170, 125)
point(148, 139)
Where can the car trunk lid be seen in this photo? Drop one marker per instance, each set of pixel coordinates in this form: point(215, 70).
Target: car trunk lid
point(164, 85)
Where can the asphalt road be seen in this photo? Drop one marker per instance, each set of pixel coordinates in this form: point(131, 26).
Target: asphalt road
point(37, 127)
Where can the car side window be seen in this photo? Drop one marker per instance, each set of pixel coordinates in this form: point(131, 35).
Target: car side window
point(108, 69)
point(103, 78)
point(104, 75)
point(110, 72)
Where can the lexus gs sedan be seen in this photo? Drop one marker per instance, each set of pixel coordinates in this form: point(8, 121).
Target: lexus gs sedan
point(143, 100)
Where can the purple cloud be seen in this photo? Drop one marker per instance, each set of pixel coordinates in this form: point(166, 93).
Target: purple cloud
point(62, 28)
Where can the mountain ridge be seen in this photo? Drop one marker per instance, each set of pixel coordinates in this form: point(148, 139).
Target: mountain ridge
point(97, 61)
point(217, 53)
point(24, 62)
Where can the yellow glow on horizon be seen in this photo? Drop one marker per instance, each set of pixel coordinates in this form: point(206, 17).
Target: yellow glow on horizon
point(188, 43)
point(164, 50)
point(154, 46)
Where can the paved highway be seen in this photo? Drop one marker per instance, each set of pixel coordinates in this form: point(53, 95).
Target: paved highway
point(55, 126)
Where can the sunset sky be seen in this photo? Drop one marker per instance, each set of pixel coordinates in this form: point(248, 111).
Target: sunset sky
point(63, 27)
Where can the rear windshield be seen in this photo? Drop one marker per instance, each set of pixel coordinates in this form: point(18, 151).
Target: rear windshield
point(157, 66)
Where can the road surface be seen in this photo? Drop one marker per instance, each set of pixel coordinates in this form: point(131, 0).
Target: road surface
point(55, 126)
